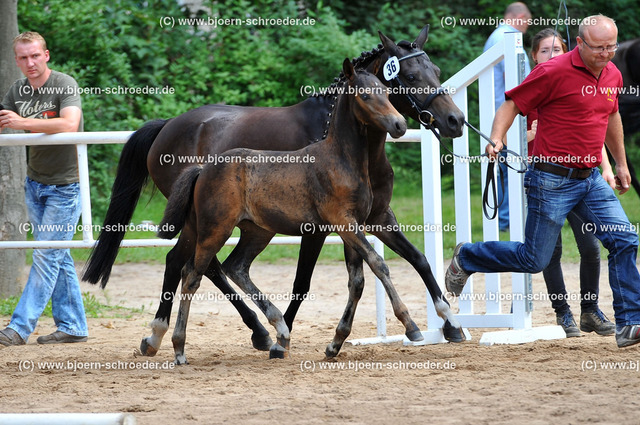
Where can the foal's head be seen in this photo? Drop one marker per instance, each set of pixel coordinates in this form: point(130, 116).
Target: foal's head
point(372, 106)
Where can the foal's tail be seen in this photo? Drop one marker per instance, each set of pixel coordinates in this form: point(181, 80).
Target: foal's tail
point(131, 177)
point(179, 204)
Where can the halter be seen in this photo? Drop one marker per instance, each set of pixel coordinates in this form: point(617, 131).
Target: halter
point(425, 117)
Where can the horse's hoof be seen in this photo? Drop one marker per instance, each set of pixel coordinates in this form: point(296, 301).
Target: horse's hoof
point(278, 352)
point(261, 342)
point(180, 360)
point(331, 351)
point(146, 349)
point(414, 333)
point(451, 333)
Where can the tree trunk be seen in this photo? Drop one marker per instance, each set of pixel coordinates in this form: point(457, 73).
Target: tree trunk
point(12, 165)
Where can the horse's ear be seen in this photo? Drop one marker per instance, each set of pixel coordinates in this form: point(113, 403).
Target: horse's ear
point(347, 68)
point(389, 45)
point(422, 37)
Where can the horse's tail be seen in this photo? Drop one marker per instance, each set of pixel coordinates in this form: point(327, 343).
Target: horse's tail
point(131, 177)
point(179, 204)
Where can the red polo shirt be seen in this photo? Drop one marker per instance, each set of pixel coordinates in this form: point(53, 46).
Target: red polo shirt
point(573, 109)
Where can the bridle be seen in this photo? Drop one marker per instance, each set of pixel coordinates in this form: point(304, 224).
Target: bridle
point(426, 118)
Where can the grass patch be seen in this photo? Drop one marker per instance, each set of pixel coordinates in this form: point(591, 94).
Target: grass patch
point(93, 308)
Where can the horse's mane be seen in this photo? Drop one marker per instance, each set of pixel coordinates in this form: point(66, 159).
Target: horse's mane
point(359, 63)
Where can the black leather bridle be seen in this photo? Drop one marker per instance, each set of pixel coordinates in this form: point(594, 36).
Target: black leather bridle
point(425, 117)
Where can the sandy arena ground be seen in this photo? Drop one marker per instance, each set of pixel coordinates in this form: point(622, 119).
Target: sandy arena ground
point(559, 381)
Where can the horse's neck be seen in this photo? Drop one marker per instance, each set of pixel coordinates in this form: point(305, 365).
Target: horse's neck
point(376, 140)
point(380, 171)
point(315, 115)
point(347, 136)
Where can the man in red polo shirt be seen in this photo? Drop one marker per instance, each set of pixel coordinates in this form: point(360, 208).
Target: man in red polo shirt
point(576, 98)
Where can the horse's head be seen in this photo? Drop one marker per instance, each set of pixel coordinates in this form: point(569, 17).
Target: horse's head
point(372, 105)
point(416, 89)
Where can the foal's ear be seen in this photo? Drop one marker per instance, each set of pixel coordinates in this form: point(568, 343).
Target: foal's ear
point(347, 68)
point(422, 37)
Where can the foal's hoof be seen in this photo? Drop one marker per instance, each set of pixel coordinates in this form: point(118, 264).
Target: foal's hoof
point(414, 333)
point(147, 349)
point(451, 333)
point(278, 352)
point(181, 359)
point(261, 342)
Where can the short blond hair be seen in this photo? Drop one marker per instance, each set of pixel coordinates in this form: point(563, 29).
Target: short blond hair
point(28, 37)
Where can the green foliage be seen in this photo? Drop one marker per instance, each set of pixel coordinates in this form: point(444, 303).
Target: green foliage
point(122, 44)
point(127, 44)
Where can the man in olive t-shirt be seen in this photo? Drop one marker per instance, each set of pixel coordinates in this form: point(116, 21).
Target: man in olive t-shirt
point(47, 101)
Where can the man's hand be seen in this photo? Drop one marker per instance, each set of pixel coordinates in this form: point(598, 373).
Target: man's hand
point(493, 151)
point(9, 119)
point(623, 178)
point(531, 134)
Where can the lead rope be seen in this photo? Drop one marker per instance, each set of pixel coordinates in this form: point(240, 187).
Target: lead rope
point(490, 187)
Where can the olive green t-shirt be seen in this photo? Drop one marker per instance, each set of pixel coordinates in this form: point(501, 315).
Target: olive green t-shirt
point(57, 164)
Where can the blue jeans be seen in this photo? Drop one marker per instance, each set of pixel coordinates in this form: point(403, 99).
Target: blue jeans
point(53, 211)
point(589, 249)
point(550, 199)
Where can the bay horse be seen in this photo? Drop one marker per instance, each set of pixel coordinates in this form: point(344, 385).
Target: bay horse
point(273, 192)
point(214, 129)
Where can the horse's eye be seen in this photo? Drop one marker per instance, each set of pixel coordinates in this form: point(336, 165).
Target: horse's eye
point(411, 78)
point(365, 96)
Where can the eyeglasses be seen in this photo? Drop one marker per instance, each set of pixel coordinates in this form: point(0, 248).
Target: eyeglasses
point(602, 49)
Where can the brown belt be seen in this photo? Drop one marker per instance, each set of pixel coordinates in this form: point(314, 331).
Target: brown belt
point(572, 173)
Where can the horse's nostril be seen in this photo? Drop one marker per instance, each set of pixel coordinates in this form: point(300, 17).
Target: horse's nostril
point(453, 122)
